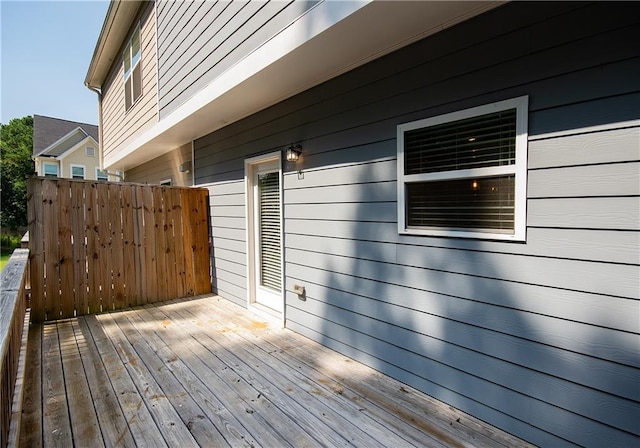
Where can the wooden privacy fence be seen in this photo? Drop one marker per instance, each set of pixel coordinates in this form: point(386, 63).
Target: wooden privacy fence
point(98, 246)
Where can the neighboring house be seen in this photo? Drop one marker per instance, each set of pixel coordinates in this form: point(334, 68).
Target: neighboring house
point(63, 148)
point(463, 213)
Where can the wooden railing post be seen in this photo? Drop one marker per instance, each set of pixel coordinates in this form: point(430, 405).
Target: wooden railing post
point(13, 306)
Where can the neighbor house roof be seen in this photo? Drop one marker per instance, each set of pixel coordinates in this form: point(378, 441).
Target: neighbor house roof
point(48, 130)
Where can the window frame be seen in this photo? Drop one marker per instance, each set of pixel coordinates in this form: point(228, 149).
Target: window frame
point(93, 151)
point(44, 169)
point(84, 171)
point(166, 182)
point(128, 74)
point(519, 170)
point(98, 171)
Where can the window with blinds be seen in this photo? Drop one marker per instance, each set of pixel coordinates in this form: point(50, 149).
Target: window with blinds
point(132, 71)
point(464, 174)
point(269, 223)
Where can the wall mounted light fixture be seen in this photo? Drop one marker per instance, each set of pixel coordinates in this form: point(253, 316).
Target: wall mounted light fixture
point(185, 167)
point(293, 153)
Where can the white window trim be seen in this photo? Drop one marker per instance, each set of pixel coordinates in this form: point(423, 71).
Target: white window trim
point(251, 233)
point(72, 166)
point(44, 164)
point(128, 49)
point(519, 169)
point(167, 182)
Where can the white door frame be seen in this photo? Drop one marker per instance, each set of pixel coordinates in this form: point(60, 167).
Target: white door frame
point(250, 166)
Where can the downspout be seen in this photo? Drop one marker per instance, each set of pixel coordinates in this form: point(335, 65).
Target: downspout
point(99, 93)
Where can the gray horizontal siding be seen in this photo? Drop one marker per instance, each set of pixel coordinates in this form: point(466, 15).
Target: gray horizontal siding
point(541, 338)
point(229, 270)
point(198, 41)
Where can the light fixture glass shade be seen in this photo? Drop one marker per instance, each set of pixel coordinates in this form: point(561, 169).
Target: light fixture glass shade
point(293, 153)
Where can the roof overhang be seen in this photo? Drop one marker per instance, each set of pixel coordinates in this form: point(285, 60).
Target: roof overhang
point(302, 56)
point(119, 18)
point(61, 140)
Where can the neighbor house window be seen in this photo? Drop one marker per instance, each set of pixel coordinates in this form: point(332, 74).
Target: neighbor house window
point(101, 175)
point(132, 73)
point(166, 182)
point(463, 174)
point(50, 169)
point(77, 172)
point(90, 151)
point(118, 177)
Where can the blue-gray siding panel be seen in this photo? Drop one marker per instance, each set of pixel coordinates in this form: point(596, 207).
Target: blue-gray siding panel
point(541, 339)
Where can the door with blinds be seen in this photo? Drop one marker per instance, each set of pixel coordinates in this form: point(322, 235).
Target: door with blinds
point(265, 222)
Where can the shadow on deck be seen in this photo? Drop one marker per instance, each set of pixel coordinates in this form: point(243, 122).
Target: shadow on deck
point(204, 372)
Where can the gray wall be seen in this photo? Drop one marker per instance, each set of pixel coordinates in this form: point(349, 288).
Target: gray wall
point(540, 339)
point(198, 41)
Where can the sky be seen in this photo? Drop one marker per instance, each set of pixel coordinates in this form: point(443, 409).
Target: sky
point(45, 51)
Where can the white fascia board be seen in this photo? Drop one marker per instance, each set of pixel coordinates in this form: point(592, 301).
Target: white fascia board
point(317, 20)
point(115, 28)
point(330, 39)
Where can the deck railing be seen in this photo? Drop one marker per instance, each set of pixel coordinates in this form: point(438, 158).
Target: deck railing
point(98, 246)
point(13, 309)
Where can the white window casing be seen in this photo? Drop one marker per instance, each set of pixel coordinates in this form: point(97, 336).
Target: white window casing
point(77, 171)
point(446, 161)
point(131, 67)
point(50, 169)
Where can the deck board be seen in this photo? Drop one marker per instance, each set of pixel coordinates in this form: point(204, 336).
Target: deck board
point(31, 422)
point(82, 413)
point(205, 372)
point(113, 426)
point(278, 386)
point(56, 426)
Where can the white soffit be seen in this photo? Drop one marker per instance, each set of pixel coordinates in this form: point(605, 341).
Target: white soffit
point(351, 34)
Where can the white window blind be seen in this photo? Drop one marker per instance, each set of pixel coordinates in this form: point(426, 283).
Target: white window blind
point(464, 173)
point(269, 208)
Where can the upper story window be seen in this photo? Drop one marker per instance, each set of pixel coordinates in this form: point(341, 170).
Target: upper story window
point(132, 72)
point(77, 172)
point(50, 169)
point(463, 174)
point(90, 151)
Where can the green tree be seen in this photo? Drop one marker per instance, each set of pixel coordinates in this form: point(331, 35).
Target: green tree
point(16, 145)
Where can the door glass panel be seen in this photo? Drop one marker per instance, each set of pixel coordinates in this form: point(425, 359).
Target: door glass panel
point(269, 228)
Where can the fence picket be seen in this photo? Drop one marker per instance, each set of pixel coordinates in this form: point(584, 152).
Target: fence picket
point(78, 231)
point(128, 249)
point(65, 249)
point(117, 246)
point(36, 247)
point(94, 278)
point(51, 256)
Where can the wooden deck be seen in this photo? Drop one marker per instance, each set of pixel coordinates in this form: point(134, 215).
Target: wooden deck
point(204, 372)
